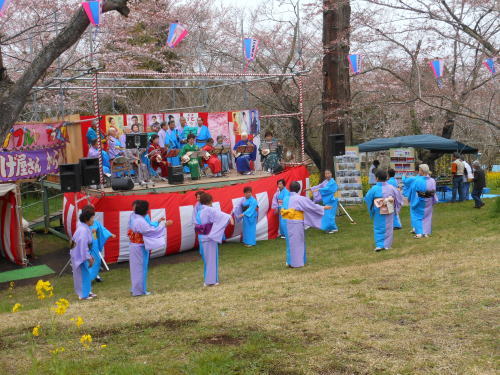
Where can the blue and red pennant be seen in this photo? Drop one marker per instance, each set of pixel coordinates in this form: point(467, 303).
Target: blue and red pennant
point(93, 10)
point(176, 33)
point(354, 63)
point(490, 64)
point(4, 5)
point(250, 47)
point(437, 67)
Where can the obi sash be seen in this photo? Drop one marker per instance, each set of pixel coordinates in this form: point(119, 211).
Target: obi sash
point(426, 194)
point(386, 205)
point(292, 214)
point(203, 228)
point(135, 237)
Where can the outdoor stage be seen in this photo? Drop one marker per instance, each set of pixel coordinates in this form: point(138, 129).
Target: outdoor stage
point(176, 202)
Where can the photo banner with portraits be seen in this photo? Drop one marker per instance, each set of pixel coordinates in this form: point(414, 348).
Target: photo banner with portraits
point(230, 125)
point(348, 176)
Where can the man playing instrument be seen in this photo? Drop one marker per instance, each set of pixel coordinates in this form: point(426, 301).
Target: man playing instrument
point(244, 159)
point(155, 155)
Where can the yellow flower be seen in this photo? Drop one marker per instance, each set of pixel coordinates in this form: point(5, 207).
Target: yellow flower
point(16, 307)
point(86, 340)
point(104, 346)
point(11, 285)
point(36, 330)
point(61, 306)
point(44, 289)
point(57, 350)
point(78, 321)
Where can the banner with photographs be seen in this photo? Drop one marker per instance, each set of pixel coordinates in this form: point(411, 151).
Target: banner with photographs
point(348, 176)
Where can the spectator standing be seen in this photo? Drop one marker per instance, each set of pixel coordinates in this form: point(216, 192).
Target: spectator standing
point(468, 177)
point(457, 171)
point(372, 180)
point(479, 184)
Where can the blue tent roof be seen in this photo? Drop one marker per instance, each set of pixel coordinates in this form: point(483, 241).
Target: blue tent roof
point(427, 141)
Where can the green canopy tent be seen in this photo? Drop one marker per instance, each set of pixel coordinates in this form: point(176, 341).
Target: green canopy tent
point(427, 141)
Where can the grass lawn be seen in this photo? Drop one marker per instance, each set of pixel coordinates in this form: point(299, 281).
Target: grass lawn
point(428, 306)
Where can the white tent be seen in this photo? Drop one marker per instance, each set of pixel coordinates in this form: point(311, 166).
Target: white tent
point(11, 233)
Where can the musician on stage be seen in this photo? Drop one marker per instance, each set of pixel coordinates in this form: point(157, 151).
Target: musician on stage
point(155, 155)
point(174, 142)
point(211, 160)
point(115, 147)
point(243, 160)
point(224, 158)
point(203, 134)
point(162, 134)
point(192, 163)
point(270, 152)
point(186, 130)
point(94, 153)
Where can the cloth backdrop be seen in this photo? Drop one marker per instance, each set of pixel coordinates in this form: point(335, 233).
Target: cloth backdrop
point(114, 212)
point(10, 247)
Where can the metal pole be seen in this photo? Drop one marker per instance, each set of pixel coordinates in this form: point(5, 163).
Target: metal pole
point(46, 209)
point(19, 210)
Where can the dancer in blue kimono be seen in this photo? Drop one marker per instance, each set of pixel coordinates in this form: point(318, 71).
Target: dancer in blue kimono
point(247, 210)
point(143, 239)
point(299, 212)
point(382, 201)
point(421, 193)
point(210, 226)
point(203, 134)
point(392, 181)
point(81, 258)
point(278, 198)
point(325, 192)
point(173, 142)
point(243, 160)
point(100, 236)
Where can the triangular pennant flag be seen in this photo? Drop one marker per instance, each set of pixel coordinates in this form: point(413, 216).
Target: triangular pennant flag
point(93, 10)
point(4, 5)
point(490, 64)
point(437, 67)
point(176, 33)
point(355, 63)
point(250, 46)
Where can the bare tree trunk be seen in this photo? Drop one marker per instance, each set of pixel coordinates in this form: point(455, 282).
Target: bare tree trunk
point(13, 96)
point(336, 87)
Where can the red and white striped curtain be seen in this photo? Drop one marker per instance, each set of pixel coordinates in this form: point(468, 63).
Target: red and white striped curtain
point(10, 247)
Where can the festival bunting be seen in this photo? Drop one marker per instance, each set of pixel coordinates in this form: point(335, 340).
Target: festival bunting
point(437, 67)
point(355, 63)
point(93, 10)
point(250, 46)
point(176, 33)
point(490, 64)
point(4, 5)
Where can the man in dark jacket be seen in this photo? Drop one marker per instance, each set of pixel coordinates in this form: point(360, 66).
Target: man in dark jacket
point(479, 184)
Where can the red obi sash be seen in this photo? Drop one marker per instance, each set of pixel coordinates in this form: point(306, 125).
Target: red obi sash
point(135, 237)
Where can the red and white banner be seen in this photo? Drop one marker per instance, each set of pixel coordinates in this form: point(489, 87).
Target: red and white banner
point(114, 212)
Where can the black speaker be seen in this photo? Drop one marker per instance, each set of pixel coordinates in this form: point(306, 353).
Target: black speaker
point(337, 144)
point(120, 183)
point(90, 171)
point(278, 169)
point(70, 178)
point(175, 175)
point(136, 140)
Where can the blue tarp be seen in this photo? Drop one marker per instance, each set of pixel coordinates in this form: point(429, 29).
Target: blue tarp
point(427, 141)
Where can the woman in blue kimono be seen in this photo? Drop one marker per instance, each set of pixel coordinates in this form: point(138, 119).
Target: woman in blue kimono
point(382, 201)
point(248, 210)
point(196, 209)
point(278, 199)
point(203, 134)
point(100, 236)
point(81, 258)
point(325, 192)
point(392, 181)
point(224, 158)
point(243, 161)
point(210, 226)
point(421, 193)
point(173, 142)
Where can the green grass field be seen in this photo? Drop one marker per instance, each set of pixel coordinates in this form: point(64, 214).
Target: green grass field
point(428, 306)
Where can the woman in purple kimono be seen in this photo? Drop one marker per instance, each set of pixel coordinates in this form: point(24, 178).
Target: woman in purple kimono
point(383, 201)
point(299, 211)
point(210, 226)
point(81, 259)
point(144, 237)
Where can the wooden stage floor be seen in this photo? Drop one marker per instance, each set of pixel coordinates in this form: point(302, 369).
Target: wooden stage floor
point(204, 183)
